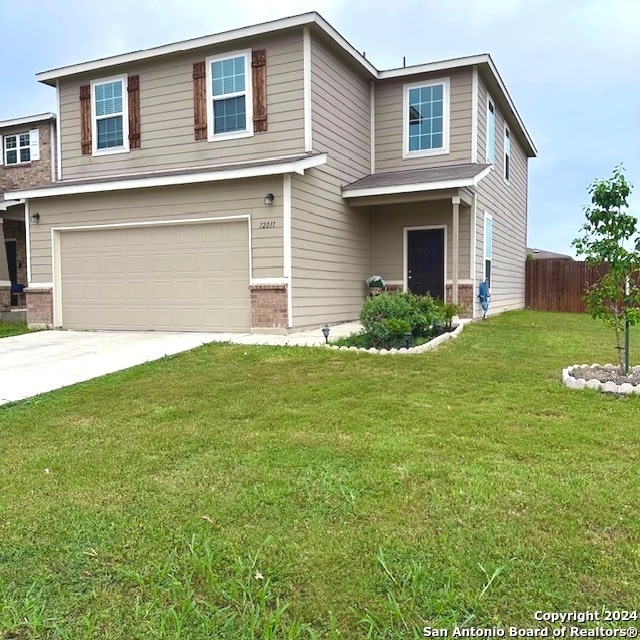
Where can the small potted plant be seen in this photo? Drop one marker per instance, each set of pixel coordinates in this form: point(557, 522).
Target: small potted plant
point(375, 284)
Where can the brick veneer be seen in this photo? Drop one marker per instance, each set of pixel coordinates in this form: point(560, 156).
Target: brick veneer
point(5, 298)
point(465, 298)
point(269, 306)
point(39, 308)
point(31, 174)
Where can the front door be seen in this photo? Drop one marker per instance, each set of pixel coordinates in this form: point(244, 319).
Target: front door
point(425, 262)
point(10, 246)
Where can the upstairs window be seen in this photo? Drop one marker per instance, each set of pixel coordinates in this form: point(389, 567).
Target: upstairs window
point(21, 148)
point(507, 154)
point(488, 248)
point(426, 118)
point(230, 102)
point(110, 124)
point(491, 132)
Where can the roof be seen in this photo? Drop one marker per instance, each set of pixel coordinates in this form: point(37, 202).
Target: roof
point(311, 19)
point(415, 180)
point(541, 254)
point(16, 122)
point(273, 166)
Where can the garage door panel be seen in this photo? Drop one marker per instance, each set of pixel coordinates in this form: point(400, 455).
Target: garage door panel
point(177, 277)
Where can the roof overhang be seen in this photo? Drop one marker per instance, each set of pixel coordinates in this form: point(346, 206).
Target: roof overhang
point(17, 122)
point(117, 183)
point(6, 204)
point(458, 183)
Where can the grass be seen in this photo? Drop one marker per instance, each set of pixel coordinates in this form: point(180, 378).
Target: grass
point(12, 329)
point(237, 492)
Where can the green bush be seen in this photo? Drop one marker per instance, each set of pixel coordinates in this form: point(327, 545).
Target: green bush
point(387, 317)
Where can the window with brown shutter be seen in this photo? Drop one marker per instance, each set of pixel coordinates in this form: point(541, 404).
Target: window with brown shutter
point(133, 89)
point(199, 101)
point(85, 119)
point(259, 78)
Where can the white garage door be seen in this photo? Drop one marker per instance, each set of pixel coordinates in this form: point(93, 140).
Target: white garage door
point(186, 277)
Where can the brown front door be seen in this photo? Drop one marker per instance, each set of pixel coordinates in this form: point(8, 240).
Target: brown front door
point(425, 262)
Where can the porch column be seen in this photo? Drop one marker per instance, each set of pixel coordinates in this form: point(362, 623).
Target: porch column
point(5, 282)
point(455, 258)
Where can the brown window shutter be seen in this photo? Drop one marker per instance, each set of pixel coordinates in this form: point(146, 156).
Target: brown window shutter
point(199, 101)
point(259, 78)
point(85, 119)
point(133, 89)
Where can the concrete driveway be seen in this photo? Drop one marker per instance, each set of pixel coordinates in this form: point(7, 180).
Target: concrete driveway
point(35, 363)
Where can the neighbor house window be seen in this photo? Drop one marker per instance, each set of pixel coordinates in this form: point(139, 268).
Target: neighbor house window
point(491, 132)
point(229, 89)
point(17, 149)
point(110, 123)
point(488, 248)
point(507, 154)
point(426, 118)
point(20, 148)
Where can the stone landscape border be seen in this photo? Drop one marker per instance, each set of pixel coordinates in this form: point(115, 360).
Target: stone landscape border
point(606, 387)
point(427, 346)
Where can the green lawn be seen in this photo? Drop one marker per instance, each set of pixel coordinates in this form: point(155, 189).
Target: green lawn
point(255, 492)
point(12, 329)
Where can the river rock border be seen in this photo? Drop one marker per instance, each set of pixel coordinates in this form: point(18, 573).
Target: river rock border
point(605, 387)
point(427, 346)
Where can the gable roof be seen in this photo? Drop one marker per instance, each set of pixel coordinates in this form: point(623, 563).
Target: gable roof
point(311, 19)
point(411, 181)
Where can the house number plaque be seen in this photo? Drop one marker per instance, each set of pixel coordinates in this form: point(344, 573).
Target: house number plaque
point(267, 224)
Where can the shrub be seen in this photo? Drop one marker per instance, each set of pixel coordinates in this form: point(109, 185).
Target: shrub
point(388, 316)
point(448, 311)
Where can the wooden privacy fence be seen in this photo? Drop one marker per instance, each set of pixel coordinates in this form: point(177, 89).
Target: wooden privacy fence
point(559, 285)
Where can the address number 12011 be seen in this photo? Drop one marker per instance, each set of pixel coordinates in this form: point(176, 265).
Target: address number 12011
point(267, 224)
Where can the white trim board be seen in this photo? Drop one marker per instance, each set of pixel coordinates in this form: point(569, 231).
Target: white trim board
point(287, 249)
point(306, 89)
point(474, 114)
point(405, 253)
point(413, 188)
point(56, 252)
point(61, 189)
point(16, 122)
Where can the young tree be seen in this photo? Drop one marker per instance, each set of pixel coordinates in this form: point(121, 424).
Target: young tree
point(609, 230)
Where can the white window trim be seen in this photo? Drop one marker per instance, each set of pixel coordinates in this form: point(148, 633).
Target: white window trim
point(504, 155)
point(248, 93)
point(490, 103)
point(446, 108)
point(487, 216)
point(16, 148)
point(125, 117)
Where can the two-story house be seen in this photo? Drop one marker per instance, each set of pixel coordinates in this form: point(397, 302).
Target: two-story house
point(253, 179)
point(27, 159)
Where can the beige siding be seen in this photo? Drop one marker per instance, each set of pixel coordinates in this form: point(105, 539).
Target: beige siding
point(507, 203)
point(341, 112)
point(166, 115)
point(388, 116)
point(388, 225)
point(331, 251)
point(330, 241)
point(232, 198)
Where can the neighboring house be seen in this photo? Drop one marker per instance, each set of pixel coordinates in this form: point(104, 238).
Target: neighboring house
point(253, 179)
point(541, 254)
point(27, 157)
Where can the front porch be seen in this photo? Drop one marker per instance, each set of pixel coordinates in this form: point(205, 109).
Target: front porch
point(423, 230)
point(13, 256)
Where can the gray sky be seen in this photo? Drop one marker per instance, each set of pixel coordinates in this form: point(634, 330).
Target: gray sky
point(571, 66)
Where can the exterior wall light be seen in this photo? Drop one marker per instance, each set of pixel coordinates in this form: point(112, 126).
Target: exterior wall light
point(268, 199)
point(325, 333)
point(35, 217)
